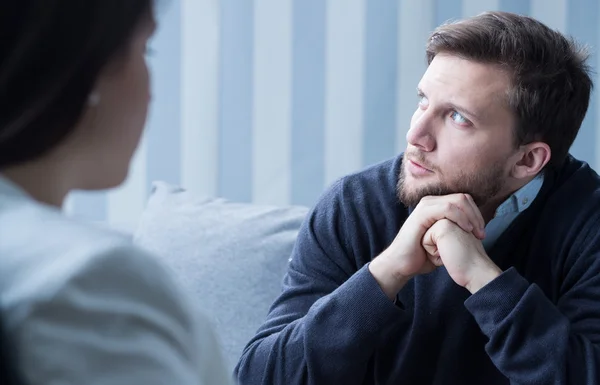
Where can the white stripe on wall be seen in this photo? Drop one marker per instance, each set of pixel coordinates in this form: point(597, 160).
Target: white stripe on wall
point(200, 95)
point(344, 73)
point(126, 203)
point(266, 45)
point(416, 21)
point(553, 13)
point(475, 7)
point(271, 130)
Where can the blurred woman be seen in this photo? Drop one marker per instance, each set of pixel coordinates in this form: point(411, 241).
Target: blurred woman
point(80, 305)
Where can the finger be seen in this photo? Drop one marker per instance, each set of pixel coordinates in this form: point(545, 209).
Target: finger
point(476, 213)
point(436, 260)
point(430, 246)
point(446, 209)
point(465, 203)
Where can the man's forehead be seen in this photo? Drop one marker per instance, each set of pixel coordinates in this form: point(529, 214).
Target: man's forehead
point(466, 81)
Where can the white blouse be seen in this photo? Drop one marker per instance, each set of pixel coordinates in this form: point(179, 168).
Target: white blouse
point(82, 305)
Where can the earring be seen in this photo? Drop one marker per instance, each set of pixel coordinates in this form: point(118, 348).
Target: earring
point(93, 99)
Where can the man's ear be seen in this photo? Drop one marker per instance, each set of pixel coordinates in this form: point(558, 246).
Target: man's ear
point(533, 157)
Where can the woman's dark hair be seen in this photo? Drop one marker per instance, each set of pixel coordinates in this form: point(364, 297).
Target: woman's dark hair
point(51, 53)
point(551, 83)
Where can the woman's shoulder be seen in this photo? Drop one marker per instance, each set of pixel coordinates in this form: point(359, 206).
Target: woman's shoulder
point(77, 282)
point(44, 252)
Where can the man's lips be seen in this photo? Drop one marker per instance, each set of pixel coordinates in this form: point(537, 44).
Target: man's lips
point(419, 165)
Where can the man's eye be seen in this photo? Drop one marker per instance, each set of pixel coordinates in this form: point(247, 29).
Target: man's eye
point(459, 119)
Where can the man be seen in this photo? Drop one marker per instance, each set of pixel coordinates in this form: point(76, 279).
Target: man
point(473, 258)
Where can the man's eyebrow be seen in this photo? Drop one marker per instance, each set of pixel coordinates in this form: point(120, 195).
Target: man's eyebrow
point(456, 107)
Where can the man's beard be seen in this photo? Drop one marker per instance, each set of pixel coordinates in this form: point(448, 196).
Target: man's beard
point(482, 187)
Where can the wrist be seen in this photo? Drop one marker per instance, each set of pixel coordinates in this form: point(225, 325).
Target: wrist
point(482, 277)
point(387, 276)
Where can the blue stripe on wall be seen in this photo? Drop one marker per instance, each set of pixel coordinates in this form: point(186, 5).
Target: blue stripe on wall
point(447, 10)
point(582, 21)
point(521, 7)
point(164, 123)
point(308, 101)
point(381, 41)
point(235, 115)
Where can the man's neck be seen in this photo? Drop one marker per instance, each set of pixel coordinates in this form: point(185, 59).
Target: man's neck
point(488, 211)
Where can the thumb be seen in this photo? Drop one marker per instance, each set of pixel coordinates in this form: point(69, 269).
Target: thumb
point(435, 259)
point(429, 244)
point(430, 247)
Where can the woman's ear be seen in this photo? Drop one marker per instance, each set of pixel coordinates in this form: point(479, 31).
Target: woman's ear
point(533, 158)
point(93, 99)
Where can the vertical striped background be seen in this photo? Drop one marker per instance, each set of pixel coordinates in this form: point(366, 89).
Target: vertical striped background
point(270, 101)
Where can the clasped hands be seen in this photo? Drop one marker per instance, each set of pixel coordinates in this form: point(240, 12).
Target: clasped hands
point(441, 231)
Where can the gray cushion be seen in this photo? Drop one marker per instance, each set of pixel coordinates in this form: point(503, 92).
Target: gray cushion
point(231, 256)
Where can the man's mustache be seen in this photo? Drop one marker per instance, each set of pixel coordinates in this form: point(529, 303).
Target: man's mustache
point(419, 158)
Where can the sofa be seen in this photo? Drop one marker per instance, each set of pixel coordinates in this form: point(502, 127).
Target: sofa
point(229, 256)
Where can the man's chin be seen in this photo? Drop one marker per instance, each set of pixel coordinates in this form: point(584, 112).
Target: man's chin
point(416, 187)
point(410, 197)
point(412, 191)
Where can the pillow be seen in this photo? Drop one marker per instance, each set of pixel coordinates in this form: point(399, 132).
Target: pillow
point(230, 256)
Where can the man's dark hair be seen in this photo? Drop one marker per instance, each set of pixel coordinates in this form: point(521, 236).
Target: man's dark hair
point(551, 82)
point(51, 53)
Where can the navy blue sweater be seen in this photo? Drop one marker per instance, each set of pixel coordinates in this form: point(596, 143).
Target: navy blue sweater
point(537, 323)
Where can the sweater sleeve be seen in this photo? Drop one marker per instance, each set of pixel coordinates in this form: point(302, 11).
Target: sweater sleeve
point(330, 317)
point(533, 340)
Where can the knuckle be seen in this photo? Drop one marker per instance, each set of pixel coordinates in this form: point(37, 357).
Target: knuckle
point(419, 207)
point(441, 226)
point(446, 225)
point(425, 201)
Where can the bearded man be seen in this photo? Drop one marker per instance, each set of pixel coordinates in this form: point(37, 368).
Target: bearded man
point(471, 258)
